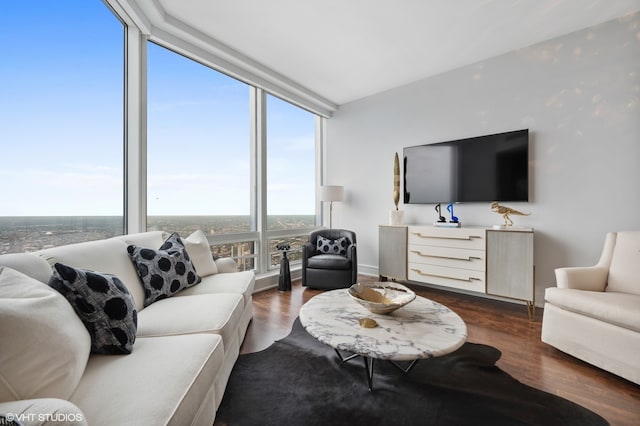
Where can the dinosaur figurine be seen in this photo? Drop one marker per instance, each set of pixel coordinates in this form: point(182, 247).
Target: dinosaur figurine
point(505, 212)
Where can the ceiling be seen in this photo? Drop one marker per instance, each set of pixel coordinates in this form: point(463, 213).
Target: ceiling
point(344, 50)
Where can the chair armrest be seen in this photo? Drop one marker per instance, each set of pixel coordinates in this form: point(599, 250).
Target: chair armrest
point(351, 252)
point(226, 264)
point(591, 278)
point(308, 250)
point(43, 411)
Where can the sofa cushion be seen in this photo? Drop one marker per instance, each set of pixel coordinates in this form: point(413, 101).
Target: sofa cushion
point(198, 248)
point(205, 313)
point(164, 381)
point(164, 271)
point(108, 256)
point(235, 282)
point(337, 246)
point(624, 271)
point(44, 345)
point(103, 304)
point(615, 308)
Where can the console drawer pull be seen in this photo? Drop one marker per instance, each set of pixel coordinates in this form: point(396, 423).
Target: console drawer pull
point(468, 258)
point(467, 238)
point(468, 279)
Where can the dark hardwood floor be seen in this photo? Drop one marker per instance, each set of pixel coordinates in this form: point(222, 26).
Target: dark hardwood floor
point(499, 324)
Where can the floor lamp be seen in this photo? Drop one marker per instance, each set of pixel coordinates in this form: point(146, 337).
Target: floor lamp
point(331, 193)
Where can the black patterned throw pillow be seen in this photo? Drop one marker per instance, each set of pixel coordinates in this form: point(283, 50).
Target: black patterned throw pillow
point(164, 271)
point(337, 246)
point(104, 305)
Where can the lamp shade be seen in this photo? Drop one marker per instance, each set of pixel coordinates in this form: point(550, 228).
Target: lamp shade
point(331, 193)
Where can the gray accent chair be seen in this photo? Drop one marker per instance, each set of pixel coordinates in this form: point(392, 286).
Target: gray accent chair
point(327, 270)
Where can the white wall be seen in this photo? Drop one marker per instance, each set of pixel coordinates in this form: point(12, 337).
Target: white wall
point(579, 95)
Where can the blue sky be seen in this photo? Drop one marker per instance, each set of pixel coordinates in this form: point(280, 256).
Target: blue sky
point(61, 124)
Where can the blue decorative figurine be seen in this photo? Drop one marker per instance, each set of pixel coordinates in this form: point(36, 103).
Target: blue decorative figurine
point(450, 210)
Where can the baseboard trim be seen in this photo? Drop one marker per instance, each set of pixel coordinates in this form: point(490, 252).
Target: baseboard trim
point(270, 279)
point(368, 270)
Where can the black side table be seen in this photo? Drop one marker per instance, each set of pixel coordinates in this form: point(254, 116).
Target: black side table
point(284, 281)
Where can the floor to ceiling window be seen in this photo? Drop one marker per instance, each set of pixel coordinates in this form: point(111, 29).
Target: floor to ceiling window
point(291, 174)
point(61, 124)
point(198, 153)
point(202, 161)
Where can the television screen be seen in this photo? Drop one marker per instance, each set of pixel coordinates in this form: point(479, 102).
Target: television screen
point(479, 169)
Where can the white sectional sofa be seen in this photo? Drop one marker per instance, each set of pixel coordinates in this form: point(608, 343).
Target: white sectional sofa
point(594, 312)
point(184, 349)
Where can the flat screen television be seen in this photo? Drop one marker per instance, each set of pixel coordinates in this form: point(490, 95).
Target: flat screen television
point(479, 169)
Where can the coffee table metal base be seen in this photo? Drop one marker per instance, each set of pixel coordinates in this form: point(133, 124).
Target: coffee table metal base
point(368, 365)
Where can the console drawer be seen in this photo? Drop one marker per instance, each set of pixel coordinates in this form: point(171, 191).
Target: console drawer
point(465, 279)
point(450, 257)
point(468, 238)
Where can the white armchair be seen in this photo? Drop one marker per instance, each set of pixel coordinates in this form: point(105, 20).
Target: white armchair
point(594, 312)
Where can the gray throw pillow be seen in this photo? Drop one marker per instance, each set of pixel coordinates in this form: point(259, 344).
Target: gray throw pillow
point(104, 305)
point(337, 246)
point(164, 271)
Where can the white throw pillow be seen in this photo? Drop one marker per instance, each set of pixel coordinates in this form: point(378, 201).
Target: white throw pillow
point(45, 346)
point(199, 251)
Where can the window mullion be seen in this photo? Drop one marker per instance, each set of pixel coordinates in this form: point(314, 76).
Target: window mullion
point(320, 132)
point(135, 132)
point(259, 119)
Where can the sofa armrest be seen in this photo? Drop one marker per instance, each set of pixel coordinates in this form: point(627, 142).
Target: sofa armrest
point(43, 411)
point(591, 278)
point(226, 264)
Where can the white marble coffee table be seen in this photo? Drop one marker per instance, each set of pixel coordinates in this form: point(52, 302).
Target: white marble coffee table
point(421, 329)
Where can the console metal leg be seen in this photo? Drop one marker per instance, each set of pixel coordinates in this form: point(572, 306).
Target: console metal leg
point(531, 310)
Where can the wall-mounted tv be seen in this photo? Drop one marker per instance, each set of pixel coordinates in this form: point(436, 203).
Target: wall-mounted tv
point(479, 169)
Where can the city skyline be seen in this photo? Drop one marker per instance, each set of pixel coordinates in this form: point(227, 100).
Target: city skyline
point(33, 233)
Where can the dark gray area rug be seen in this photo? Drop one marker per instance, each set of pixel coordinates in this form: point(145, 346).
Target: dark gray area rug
point(299, 381)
